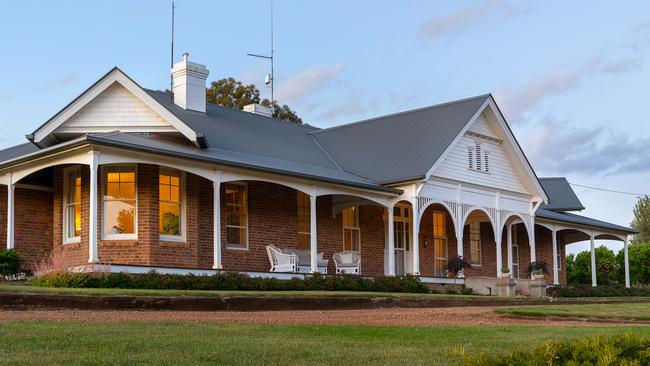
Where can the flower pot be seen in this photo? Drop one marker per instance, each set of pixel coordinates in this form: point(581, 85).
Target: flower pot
point(505, 275)
point(538, 276)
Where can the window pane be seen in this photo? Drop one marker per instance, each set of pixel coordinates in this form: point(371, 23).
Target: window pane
point(170, 218)
point(77, 220)
point(176, 179)
point(164, 179)
point(347, 239)
point(127, 190)
point(163, 192)
point(350, 217)
point(127, 176)
point(303, 241)
point(112, 176)
point(119, 217)
point(175, 194)
point(355, 240)
point(112, 191)
point(77, 190)
point(236, 237)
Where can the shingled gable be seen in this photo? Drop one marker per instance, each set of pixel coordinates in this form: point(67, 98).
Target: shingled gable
point(45, 135)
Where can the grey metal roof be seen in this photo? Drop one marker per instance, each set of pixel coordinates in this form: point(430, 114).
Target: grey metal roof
point(572, 218)
point(560, 194)
point(235, 158)
point(245, 132)
point(17, 151)
point(400, 146)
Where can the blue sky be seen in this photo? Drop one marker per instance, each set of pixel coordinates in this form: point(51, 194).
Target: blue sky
point(571, 77)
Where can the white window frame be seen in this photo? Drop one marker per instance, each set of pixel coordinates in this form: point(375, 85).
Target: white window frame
point(515, 248)
point(175, 238)
point(117, 237)
point(353, 228)
point(298, 232)
point(480, 244)
point(66, 182)
point(436, 237)
point(247, 227)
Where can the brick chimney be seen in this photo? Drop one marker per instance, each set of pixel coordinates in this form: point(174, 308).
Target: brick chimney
point(189, 84)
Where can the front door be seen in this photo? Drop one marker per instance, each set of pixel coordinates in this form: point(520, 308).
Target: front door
point(402, 232)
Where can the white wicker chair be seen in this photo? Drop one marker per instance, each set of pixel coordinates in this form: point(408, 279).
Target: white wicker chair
point(347, 262)
point(281, 262)
point(304, 261)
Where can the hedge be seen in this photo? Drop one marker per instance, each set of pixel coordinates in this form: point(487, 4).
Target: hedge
point(598, 291)
point(624, 349)
point(10, 262)
point(231, 281)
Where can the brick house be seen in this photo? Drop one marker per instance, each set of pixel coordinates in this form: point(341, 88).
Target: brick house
point(138, 180)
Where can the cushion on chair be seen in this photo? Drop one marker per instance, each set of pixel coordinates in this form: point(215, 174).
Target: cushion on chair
point(345, 258)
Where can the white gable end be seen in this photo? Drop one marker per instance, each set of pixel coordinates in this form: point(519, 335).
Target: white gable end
point(483, 156)
point(113, 109)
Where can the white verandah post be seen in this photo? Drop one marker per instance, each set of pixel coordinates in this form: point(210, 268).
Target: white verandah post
point(498, 236)
point(509, 239)
point(531, 240)
point(313, 240)
point(556, 277)
point(216, 223)
point(93, 255)
point(594, 283)
point(416, 238)
point(627, 263)
point(10, 212)
point(391, 241)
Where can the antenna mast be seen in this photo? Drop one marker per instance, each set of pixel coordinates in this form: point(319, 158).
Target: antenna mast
point(268, 79)
point(171, 77)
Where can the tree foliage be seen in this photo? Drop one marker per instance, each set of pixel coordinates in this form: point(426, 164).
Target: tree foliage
point(641, 219)
point(579, 267)
point(234, 94)
point(639, 257)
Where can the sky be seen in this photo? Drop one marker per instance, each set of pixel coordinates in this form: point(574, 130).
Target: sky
point(570, 77)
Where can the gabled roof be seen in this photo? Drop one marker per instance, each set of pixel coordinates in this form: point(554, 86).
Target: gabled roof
point(17, 151)
point(561, 195)
point(398, 147)
point(43, 136)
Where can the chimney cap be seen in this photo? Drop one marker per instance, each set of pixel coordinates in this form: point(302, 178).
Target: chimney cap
point(186, 55)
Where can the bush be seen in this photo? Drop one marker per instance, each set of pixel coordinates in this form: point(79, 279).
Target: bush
point(10, 262)
point(231, 281)
point(539, 267)
point(624, 349)
point(599, 291)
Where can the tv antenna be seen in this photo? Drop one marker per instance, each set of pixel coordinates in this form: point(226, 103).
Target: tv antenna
point(269, 79)
point(171, 77)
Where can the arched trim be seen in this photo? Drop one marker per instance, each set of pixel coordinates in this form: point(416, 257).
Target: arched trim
point(422, 209)
point(475, 208)
point(519, 221)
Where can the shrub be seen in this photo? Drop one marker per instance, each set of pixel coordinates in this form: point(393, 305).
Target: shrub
point(537, 267)
point(624, 349)
point(599, 291)
point(10, 262)
point(231, 281)
point(455, 265)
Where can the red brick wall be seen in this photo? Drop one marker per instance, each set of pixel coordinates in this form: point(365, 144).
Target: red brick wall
point(33, 223)
point(3, 215)
point(426, 233)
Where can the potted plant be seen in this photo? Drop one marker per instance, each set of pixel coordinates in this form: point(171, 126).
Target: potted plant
point(505, 272)
point(456, 265)
point(537, 270)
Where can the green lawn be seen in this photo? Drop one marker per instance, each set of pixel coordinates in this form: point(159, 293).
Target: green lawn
point(65, 343)
point(632, 311)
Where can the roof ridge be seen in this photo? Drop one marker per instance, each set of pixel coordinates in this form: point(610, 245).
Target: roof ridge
point(403, 112)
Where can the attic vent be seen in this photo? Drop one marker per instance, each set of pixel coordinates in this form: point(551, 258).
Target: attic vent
point(477, 159)
point(478, 156)
point(258, 109)
point(486, 163)
point(470, 158)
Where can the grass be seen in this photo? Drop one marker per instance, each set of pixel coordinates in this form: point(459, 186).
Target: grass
point(63, 343)
point(630, 311)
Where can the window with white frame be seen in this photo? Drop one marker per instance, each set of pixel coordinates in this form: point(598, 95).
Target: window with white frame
point(559, 257)
point(440, 248)
point(72, 205)
point(119, 203)
point(171, 204)
point(351, 230)
point(303, 220)
point(475, 244)
point(236, 215)
point(515, 253)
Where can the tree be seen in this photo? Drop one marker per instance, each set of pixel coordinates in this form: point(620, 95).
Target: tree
point(579, 267)
point(234, 94)
point(641, 219)
point(639, 257)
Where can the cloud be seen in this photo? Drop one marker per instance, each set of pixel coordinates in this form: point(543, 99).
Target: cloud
point(472, 16)
point(554, 147)
point(351, 106)
point(307, 82)
point(61, 82)
point(253, 76)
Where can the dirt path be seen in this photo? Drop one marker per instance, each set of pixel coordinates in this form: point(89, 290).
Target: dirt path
point(434, 317)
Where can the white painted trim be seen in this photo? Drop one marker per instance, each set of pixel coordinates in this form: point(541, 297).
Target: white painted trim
point(118, 76)
point(66, 183)
point(313, 239)
point(11, 189)
point(626, 263)
point(245, 185)
point(216, 221)
point(183, 192)
point(93, 255)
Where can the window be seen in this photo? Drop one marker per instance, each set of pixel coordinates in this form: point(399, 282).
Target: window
point(351, 231)
point(304, 220)
point(170, 194)
point(72, 205)
point(515, 253)
point(236, 216)
point(475, 243)
point(440, 249)
point(402, 227)
point(119, 202)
